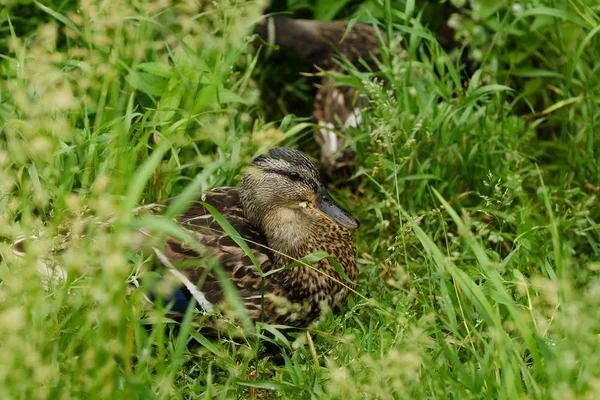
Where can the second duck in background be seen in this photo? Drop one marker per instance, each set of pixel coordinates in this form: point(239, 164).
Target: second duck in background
point(335, 107)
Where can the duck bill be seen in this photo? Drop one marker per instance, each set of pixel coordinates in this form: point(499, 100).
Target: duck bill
point(333, 211)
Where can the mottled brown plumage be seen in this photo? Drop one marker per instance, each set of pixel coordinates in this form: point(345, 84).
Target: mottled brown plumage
point(268, 213)
point(318, 43)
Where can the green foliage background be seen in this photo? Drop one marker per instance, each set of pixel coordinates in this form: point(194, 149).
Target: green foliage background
point(478, 198)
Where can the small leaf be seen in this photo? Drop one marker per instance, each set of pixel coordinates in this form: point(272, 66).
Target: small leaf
point(281, 338)
point(349, 27)
point(169, 102)
point(158, 69)
point(237, 238)
point(338, 268)
point(554, 12)
point(147, 83)
point(491, 89)
point(227, 96)
point(208, 345)
point(561, 104)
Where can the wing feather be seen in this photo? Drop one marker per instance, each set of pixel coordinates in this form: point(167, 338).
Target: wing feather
point(193, 267)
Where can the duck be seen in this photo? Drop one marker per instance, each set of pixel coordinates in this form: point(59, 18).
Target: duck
point(336, 107)
point(283, 213)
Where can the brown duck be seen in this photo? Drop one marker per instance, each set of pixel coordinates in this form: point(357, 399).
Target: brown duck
point(283, 213)
point(318, 43)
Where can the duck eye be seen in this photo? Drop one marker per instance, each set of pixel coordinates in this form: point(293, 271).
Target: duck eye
point(293, 176)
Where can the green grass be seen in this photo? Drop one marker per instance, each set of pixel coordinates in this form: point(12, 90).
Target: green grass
point(479, 244)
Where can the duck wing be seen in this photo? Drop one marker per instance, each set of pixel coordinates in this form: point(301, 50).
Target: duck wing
point(193, 267)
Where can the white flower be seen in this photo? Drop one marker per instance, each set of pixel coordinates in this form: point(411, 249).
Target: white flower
point(517, 8)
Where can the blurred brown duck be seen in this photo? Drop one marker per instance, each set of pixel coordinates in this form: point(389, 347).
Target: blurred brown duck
point(283, 213)
point(318, 43)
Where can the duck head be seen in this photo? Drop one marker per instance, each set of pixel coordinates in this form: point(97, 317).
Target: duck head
point(283, 189)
